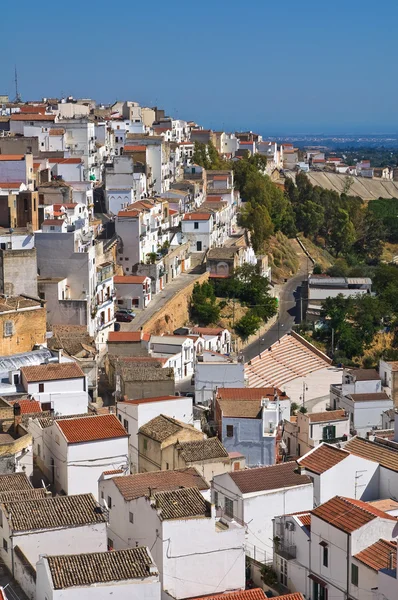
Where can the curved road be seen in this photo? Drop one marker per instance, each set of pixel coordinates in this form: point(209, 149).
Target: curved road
point(289, 313)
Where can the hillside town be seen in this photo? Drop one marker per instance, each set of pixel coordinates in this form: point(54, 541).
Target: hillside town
point(147, 452)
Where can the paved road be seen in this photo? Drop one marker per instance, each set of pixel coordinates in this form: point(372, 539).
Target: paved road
point(159, 300)
point(289, 307)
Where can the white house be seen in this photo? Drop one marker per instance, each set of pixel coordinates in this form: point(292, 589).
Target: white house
point(185, 538)
point(127, 574)
point(255, 497)
point(132, 291)
point(78, 450)
point(119, 184)
point(135, 413)
point(61, 387)
point(54, 525)
point(216, 339)
point(365, 411)
point(387, 580)
point(176, 348)
point(198, 228)
point(307, 430)
point(216, 372)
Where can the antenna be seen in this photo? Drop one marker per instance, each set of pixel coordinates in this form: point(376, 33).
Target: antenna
point(17, 96)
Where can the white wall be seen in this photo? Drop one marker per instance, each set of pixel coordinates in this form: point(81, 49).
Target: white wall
point(211, 375)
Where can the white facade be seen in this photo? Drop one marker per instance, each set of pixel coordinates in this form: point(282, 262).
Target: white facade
point(133, 292)
point(199, 231)
point(80, 142)
point(211, 375)
point(364, 416)
point(133, 414)
point(173, 348)
point(193, 548)
point(67, 396)
point(258, 509)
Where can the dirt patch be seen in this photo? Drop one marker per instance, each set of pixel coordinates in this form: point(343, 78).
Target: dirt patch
point(320, 255)
point(282, 256)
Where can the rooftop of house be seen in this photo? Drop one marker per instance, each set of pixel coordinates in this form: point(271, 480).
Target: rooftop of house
point(28, 407)
point(150, 400)
point(212, 331)
point(348, 514)
point(72, 341)
point(48, 420)
point(12, 157)
point(288, 359)
point(125, 279)
point(162, 427)
point(22, 495)
point(386, 505)
point(52, 372)
point(14, 482)
point(144, 484)
point(124, 336)
point(184, 503)
point(15, 185)
point(65, 161)
point(274, 477)
point(146, 372)
point(378, 555)
point(14, 303)
point(327, 415)
point(372, 397)
point(31, 117)
point(253, 594)
point(364, 374)
point(128, 213)
point(77, 570)
point(322, 458)
point(378, 451)
point(196, 217)
point(240, 409)
point(54, 512)
point(92, 429)
point(169, 340)
point(198, 450)
point(223, 253)
point(249, 393)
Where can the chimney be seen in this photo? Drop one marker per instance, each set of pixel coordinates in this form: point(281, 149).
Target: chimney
point(17, 415)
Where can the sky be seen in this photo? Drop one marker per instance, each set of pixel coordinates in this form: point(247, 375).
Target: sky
point(273, 67)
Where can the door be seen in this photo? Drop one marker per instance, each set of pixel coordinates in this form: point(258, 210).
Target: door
point(199, 246)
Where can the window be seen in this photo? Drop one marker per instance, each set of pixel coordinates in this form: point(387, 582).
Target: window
point(319, 592)
point(216, 498)
point(109, 502)
point(354, 575)
point(329, 432)
point(283, 572)
point(325, 554)
point(5, 545)
point(199, 246)
point(229, 507)
point(41, 388)
point(3, 246)
point(196, 225)
point(102, 494)
point(110, 544)
point(167, 466)
point(126, 425)
point(120, 418)
point(131, 517)
point(8, 328)
point(38, 450)
point(46, 406)
point(145, 444)
point(230, 431)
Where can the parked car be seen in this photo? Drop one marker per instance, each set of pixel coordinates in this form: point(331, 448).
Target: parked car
point(123, 317)
point(127, 311)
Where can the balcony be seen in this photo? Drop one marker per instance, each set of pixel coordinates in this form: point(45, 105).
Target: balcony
point(104, 271)
point(285, 551)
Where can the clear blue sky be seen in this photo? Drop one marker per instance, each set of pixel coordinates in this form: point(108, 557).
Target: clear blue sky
point(259, 64)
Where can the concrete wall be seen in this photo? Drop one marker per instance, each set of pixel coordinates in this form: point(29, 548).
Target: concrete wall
point(18, 272)
point(29, 329)
point(249, 440)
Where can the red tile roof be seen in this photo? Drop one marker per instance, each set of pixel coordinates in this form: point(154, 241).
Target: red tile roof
point(269, 478)
point(197, 217)
point(254, 594)
point(323, 458)
point(208, 330)
point(386, 456)
point(53, 221)
point(135, 148)
point(124, 336)
point(327, 415)
point(91, 428)
point(149, 400)
point(120, 279)
point(52, 372)
point(128, 213)
point(12, 157)
point(377, 556)
point(293, 596)
point(143, 484)
point(27, 406)
point(113, 472)
point(347, 514)
point(30, 109)
point(248, 393)
point(15, 185)
point(65, 161)
point(30, 117)
point(69, 205)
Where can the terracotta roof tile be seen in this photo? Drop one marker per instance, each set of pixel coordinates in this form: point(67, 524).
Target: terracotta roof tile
point(12, 157)
point(181, 504)
point(326, 416)
point(128, 213)
point(347, 514)
point(150, 400)
point(137, 148)
point(322, 458)
point(254, 594)
point(162, 427)
point(15, 185)
point(240, 409)
point(124, 336)
point(269, 478)
point(385, 505)
point(52, 372)
point(293, 596)
point(114, 472)
point(386, 456)
point(196, 216)
point(22, 495)
point(54, 512)
point(198, 450)
point(364, 374)
point(65, 161)
point(27, 406)
point(77, 570)
point(14, 482)
point(31, 109)
point(31, 117)
point(373, 397)
point(377, 556)
point(245, 393)
point(142, 484)
point(121, 279)
point(94, 428)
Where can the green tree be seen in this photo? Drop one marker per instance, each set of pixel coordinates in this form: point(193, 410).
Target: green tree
point(248, 325)
point(203, 305)
point(342, 235)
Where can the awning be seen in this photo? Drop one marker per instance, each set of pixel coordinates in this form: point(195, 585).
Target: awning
point(317, 580)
